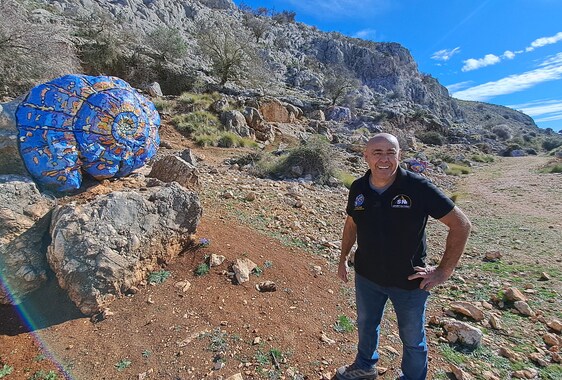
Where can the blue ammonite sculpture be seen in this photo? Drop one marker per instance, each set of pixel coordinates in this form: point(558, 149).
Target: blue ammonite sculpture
point(96, 124)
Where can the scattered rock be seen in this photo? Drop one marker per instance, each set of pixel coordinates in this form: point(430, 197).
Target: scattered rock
point(493, 256)
point(514, 294)
point(538, 359)
point(183, 285)
point(459, 373)
point(495, 322)
point(523, 308)
point(528, 373)
point(468, 309)
point(392, 350)
point(317, 270)
point(266, 286)
point(509, 354)
point(216, 260)
point(251, 196)
point(555, 325)
point(324, 338)
point(174, 168)
point(236, 376)
point(488, 375)
point(552, 339)
point(463, 333)
point(242, 269)
point(154, 90)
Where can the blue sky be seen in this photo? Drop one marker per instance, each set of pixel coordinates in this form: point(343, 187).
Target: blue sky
point(506, 52)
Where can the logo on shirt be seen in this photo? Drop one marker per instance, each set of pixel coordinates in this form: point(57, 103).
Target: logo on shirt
point(359, 200)
point(401, 201)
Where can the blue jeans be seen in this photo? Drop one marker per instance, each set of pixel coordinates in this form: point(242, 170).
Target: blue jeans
point(409, 306)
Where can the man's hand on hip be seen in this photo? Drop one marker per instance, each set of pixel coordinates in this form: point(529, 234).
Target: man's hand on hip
point(431, 276)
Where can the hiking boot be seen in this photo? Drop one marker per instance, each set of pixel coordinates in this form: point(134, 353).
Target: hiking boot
point(353, 372)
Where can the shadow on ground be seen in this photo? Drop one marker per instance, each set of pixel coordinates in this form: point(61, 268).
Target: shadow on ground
point(43, 308)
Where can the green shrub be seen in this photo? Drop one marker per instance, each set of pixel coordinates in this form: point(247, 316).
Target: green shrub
point(344, 324)
point(227, 140)
point(314, 157)
point(158, 277)
point(485, 147)
point(431, 138)
point(164, 105)
point(206, 140)
point(551, 143)
point(485, 158)
point(455, 169)
point(198, 102)
point(167, 42)
point(248, 159)
point(6, 370)
point(345, 178)
point(202, 269)
point(232, 140)
point(555, 168)
point(123, 364)
point(265, 165)
point(43, 375)
point(196, 123)
point(502, 132)
point(510, 148)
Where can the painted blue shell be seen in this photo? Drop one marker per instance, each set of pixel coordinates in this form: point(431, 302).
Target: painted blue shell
point(99, 125)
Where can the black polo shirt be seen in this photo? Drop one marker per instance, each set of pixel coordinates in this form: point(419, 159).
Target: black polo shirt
point(391, 226)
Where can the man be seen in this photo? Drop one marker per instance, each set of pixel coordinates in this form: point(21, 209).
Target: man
point(387, 212)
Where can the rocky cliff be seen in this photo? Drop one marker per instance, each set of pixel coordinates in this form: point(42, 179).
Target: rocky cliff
point(278, 57)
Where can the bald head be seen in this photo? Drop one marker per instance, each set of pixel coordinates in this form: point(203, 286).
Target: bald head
point(384, 138)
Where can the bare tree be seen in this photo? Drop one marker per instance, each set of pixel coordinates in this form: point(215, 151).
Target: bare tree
point(257, 26)
point(229, 50)
point(99, 44)
point(338, 82)
point(31, 53)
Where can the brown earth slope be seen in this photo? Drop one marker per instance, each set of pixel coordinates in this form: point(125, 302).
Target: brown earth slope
point(166, 332)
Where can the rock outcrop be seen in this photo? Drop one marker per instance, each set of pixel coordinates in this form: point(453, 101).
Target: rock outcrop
point(24, 222)
point(102, 248)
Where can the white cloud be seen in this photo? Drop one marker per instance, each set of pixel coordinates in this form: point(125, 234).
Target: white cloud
point(549, 70)
point(366, 34)
point(508, 54)
point(459, 86)
point(540, 42)
point(539, 107)
point(553, 117)
point(473, 64)
point(445, 54)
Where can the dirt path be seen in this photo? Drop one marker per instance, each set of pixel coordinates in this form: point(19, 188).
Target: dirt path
point(515, 209)
point(514, 186)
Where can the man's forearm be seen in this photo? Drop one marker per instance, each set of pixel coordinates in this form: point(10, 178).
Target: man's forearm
point(348, 239)
point(459, 230)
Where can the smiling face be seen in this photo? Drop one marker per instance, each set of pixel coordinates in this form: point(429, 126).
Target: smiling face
point(382, 154)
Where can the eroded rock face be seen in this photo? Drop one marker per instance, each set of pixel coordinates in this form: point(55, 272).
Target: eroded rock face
point(103, 248)
point(10, 159)
point(24, 222)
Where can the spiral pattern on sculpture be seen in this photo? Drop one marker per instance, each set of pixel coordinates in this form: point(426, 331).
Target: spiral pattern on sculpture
point(99, 125)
